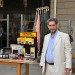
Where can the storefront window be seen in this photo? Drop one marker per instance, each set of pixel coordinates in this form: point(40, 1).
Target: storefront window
point(16, 21)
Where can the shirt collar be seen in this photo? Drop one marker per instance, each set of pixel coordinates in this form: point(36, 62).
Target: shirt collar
point(52, 36)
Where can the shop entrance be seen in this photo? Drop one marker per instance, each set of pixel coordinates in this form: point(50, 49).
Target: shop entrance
point(12, 25)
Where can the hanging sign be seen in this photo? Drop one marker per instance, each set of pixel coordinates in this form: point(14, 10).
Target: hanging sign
point(27, 34)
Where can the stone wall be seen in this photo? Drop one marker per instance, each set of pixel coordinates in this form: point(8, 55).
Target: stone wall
point(65, 12)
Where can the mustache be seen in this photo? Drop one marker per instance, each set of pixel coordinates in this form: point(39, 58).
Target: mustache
point(53, 30)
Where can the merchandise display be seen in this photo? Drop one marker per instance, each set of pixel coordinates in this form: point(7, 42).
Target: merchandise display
point(29, 41)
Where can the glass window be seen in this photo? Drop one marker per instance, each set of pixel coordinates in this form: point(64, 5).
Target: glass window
point(14, 27)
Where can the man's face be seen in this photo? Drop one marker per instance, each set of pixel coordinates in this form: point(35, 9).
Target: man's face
point(52, 26)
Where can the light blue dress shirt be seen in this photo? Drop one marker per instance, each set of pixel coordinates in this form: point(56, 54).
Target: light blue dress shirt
point(50, 49)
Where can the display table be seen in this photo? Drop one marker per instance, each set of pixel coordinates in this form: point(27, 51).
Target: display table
point(17, 63)
point(73, 61)
point(73, 56)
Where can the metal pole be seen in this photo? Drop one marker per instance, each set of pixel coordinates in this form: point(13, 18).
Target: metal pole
point(55, 5)
point(21, 21)
point(42, 3)
point(3, 19)
point(69, 26)
point(7, 30)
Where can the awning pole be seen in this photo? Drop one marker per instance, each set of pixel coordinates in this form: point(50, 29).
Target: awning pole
point(55, 6)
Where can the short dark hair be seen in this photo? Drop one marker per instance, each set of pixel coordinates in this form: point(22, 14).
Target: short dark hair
point(52, 19)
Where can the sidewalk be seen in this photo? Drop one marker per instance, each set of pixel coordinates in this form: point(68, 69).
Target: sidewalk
point(34, 69)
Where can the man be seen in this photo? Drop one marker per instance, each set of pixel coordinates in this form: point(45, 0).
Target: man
point(1, 29)
point(1, 32)
point(24, 27)
point(56, 52)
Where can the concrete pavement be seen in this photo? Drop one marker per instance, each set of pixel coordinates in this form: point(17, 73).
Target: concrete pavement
point(34, 69)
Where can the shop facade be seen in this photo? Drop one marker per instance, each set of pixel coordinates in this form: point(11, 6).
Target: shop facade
point(13, 16)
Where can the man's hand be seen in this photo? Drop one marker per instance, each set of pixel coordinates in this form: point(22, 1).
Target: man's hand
point(68, 71)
